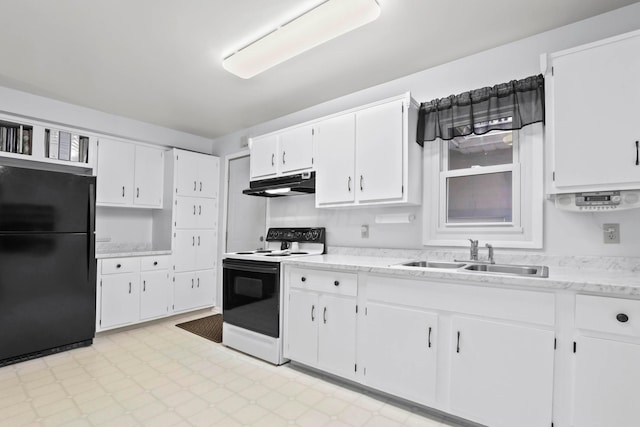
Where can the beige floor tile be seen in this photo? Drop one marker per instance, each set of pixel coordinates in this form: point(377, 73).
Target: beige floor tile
point(207, 417)
point(20, 419)
point(250, 414)
point(292, 409)
point(313, 418)
point(191, 407)
point(355, 415)
point(166, 419)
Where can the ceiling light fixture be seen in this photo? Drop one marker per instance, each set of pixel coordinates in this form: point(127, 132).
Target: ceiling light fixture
point(324, 22)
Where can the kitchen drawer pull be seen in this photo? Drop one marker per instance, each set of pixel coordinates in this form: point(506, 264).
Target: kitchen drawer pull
point(324, 315)
point(429, 338)
point(313, 309)
point(336, 283)
point(349, 184)
point(458, 343)
point(303, 279)
point(361, 185)
point(622, 318)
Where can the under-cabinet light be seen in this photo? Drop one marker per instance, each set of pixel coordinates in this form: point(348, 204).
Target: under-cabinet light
point(278, 190)
point(316, 26)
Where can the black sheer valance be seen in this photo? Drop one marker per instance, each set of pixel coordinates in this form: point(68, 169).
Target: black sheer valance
point(505, 106)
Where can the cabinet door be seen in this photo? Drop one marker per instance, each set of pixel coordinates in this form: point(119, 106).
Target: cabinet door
point(119, 299)
point(302, 327)
point(149, 176)
point(187, 212)
point(184, 291)
point(207, 213)
point(154, 294)
point(595, 115)
point(115, 172)
point(186, 173)
point(263, 157)
point(208, 176)
point(296, 149)
point(379, 152)
point(501, 374)
point(337, 335)
point(206, 249)
point(185, 250)
point(334, 146)
point(607, 383)
point(205, 287)
point(403, 363)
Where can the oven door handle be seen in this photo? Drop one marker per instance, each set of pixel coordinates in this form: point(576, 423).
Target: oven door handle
point(250, 268)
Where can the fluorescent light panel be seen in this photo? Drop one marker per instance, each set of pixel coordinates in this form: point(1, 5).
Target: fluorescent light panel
point(319, 25)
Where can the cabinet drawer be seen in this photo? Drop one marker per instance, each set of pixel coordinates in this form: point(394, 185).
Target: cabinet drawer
point(612, 315)
point(154, 263)
point(334, 282)
point(120, 265)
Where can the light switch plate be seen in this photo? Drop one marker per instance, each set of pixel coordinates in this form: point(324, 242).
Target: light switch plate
point(364, 231)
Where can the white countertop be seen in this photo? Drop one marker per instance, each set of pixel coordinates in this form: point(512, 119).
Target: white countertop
point(611, 282)
point(124, 250)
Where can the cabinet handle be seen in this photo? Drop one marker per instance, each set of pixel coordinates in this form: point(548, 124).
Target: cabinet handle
point(622, 318)
point(637, 153)
point(137, 192)
point(194, 185)
point(349, 185)
point(198, 240)
point(155, 262)
point(429, 339)
point(200, 185)
point(458, 343)
point(198, 283)
point(118, 265)
point(313, 309)
point(273, 158)
point(123, 191)
point(144, 286)
point(194, 209)
point(361, 186)
point(129, 287)
point(324, 315)
point(303, 279)
point(283, 153)
point(199, 209)
point(336, 283)
point(193, 240)
point(191, 283)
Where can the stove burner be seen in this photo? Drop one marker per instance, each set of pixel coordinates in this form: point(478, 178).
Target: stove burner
point(277, 255)
point(299, 253)
point(244, 253)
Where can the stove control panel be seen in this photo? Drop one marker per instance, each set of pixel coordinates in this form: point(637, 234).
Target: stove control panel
point(302, 235)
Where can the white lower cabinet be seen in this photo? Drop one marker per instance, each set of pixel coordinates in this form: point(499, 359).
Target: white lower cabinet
point(400, 351)
point(132, 290)
point(193, 289)
point(320, 326)
point(501, 373)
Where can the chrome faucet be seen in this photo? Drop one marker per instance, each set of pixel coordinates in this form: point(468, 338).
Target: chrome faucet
point(473, 250)
point(490, 247)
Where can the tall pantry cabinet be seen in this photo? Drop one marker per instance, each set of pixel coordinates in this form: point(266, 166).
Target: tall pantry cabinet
point(194, 227)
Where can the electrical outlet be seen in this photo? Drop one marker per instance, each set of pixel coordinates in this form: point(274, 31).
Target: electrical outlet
point(364, 231)
point(611, 233)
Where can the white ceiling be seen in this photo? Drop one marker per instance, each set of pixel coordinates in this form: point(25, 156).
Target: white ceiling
point(159, 61)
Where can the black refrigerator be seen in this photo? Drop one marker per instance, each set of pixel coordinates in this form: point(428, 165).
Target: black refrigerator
point(47, 262)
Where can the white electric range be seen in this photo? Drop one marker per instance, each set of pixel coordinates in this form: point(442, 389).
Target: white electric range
point(252, 307)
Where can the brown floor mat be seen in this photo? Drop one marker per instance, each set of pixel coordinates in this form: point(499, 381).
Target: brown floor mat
point(209, 327)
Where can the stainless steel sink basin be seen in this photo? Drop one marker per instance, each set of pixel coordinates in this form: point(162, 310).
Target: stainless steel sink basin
point(512, 270)
point(433, 264)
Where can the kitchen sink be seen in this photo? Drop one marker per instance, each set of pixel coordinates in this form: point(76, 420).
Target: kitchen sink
point(512, 270)
point(433, 264)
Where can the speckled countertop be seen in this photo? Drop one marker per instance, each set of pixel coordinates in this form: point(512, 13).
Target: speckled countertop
point(616, 280)
point(123, 250)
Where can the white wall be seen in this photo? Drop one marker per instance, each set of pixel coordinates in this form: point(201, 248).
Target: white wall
point(565, 233)
point(55, 112)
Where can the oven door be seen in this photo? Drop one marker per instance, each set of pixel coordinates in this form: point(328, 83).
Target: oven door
point(251, 295)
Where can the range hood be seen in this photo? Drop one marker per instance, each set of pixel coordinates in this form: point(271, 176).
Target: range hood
point(291, 185)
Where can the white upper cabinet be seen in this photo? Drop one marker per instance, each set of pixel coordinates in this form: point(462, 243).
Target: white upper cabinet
point(129, 175)
point(197, 175)
point(368, 156)
point(282, 153)
point(592, 116)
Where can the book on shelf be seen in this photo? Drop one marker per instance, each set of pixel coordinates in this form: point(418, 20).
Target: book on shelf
point(15, 138)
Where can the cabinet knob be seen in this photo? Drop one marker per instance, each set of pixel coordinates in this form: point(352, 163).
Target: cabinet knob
point(303, 279)
point(118, 265)
point(155, 262)
point(622, 318)
point(336, 283)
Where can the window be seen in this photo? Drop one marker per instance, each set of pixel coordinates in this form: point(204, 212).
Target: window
point(486, 187)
